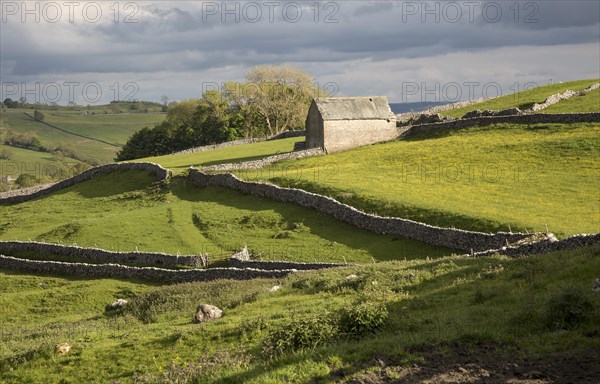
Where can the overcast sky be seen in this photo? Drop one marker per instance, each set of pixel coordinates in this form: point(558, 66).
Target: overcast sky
point(95, 51)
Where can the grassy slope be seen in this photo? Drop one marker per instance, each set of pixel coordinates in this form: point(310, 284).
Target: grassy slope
point(524, 99)
point(453, 299)
point(110, 128)
point(188, 220)
point(235, 154)
point(479, 178)
point(27, 161)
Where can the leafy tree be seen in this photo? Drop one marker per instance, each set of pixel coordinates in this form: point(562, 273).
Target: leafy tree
point(10, 103)
point(280, 95)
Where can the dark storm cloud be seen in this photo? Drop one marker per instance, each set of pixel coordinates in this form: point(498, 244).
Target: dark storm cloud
point(188, 36)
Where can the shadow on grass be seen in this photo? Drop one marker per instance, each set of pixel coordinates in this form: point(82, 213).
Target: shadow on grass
point(381, 247)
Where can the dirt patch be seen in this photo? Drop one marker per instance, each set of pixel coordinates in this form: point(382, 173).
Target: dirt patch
point(481, 363)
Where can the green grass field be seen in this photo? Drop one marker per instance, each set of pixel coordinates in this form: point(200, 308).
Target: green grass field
point(235, 154)
point(524, 99)
point(488, 178)
point(38, 164)
point(489, 306)
point(188, 220)
point(413, 313)
point(113, 129)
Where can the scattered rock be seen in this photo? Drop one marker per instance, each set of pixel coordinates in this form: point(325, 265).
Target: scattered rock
point(351, 277)
point(207, 312)
point(427, 118)
point(596, 285)
point(120, 303)
point(62, 349)
point(490, 113)
point(275, 288)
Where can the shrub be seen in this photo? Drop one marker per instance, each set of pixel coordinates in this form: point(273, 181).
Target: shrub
point(567, 308)
point(6, 154)
point(26, 180)
point(361, 319)
point(307, 333)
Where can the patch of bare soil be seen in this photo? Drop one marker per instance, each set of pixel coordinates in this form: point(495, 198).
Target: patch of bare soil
point(487, 363)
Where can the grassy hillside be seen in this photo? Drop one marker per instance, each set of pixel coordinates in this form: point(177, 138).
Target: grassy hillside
point(479, 178)
point(181, 218)
point(456, 319)
point(38, 164)
point(235, 154)
point(524, 99)
point(113, 129)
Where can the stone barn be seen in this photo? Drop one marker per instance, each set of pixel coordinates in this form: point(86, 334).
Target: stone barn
point(339, 123)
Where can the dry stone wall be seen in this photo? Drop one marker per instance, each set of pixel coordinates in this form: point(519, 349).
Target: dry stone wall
point(15, 197)
point(549, 244)
point(99, 255)
point(146, 273)
point(283, 135)
point(447, 237)
point(560, 118)
point(255, 164)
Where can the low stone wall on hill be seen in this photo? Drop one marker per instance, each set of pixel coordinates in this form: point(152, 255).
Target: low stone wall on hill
point(97, 255)
point(255, 164)
point(547, 245)
point(147, 273)
point(19, 196)
point(283, 135)
point(540, 118)
point(447, 237)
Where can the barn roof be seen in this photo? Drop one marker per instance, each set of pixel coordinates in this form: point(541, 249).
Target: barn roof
point(355, 108)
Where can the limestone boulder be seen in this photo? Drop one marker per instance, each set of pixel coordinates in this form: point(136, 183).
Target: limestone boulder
point(207, 312)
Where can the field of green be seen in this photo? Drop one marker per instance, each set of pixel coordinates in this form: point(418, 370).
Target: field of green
point(32, 162)
point(525, 99)
point(88, 135)
point(529, 314)
point(235, 154)
point(492, 178)
point(125, 211)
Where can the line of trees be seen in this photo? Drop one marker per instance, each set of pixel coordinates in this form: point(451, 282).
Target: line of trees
point(271, 101)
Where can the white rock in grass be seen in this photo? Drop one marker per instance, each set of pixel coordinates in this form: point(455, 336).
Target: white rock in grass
point(62, 349)
point(119, 303)
point(351, 277)
point(275, 288)
point(207, 312)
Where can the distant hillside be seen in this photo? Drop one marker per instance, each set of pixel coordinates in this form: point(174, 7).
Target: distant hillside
point(96, 138)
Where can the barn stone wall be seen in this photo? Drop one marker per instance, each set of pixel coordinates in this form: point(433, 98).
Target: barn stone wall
point(345, 134)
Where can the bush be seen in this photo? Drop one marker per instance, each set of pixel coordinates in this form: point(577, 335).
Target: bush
point(362, 319)
point(6, 154)
point(567, 308)
point(26, 180)
point(307, 333)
